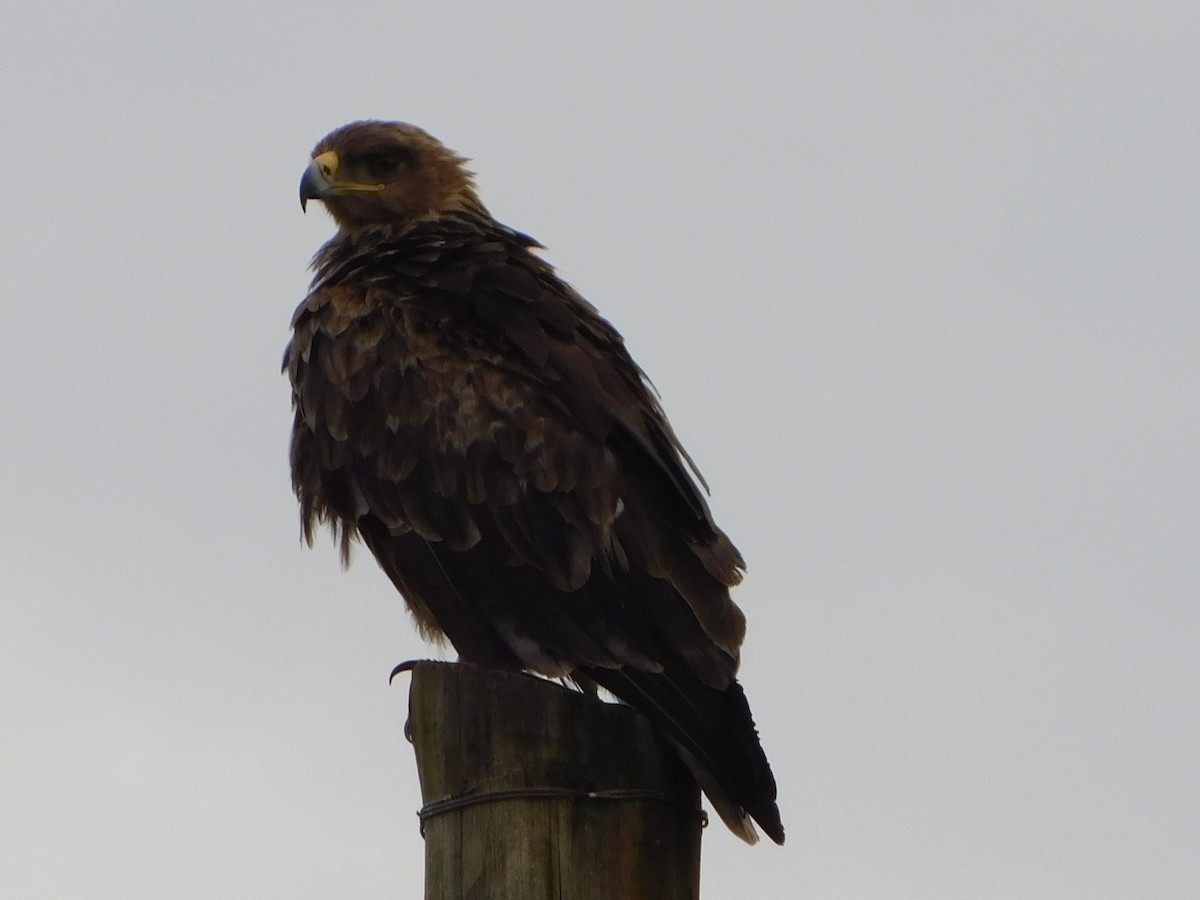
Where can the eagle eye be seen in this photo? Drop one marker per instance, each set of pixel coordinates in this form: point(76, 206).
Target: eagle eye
point(381, 165)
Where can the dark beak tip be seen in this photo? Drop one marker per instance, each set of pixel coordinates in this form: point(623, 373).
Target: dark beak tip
point(312, 186)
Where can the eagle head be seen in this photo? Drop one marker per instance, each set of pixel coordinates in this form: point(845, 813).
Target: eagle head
point(386, 173)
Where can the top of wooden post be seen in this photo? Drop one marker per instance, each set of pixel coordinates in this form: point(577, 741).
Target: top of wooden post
point(534, 791)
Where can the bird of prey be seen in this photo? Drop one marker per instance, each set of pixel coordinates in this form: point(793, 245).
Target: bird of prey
point(483, 430)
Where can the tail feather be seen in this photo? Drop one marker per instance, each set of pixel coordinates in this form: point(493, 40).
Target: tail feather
point(714, 732)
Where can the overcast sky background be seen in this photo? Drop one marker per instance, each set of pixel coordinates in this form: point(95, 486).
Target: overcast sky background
point(918, 283)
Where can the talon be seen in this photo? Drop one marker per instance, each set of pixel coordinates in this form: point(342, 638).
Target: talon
point(407, 666)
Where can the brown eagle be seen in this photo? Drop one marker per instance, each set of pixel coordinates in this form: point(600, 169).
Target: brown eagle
point(478, 425)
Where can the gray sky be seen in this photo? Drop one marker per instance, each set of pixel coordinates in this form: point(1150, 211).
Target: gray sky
point(917, 281)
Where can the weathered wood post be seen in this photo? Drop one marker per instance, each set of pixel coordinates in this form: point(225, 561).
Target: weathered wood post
point(535, 792)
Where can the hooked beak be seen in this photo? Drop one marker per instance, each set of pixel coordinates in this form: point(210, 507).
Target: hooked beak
point(317, 182)
point(321, 180)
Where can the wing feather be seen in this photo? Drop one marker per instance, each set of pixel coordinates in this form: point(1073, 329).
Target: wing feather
point(494, 393)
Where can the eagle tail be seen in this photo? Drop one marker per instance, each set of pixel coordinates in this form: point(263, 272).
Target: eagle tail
point(714, 733)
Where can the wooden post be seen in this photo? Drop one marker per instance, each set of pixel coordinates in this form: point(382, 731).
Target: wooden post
point(535, 792)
